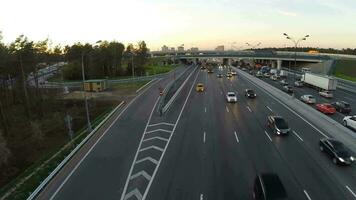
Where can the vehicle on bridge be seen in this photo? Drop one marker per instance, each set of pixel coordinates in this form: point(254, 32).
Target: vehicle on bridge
point(350, 121)
point(319, 82)
point(288, 89)
point(298, 83)
point(250, 93)
point(283, 82)
point(278, 125)
point(231, 97)
point(309, 99)
point(336, 150)
point(200, 87)
point(325, 108)
point(342, 107)
point(326, 94)
point(273, 77)
point(268, 186)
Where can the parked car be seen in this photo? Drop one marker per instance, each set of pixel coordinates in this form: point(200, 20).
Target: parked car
point(308, 99)
point(350, 121)
point(336, 150)
point(250, 93)
point(231, 97)
point(342, 106)
point(326, 94)
point(278, 124)
point(288, 89)
point(268, 186)
point(325, 108)
point(298, 83)
point(283, 82)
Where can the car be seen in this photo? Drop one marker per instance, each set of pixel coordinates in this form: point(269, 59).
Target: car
point(233, 73)
point(307, 98)
point(202, 67)
point(342, 107)
point(288, 89)
point(350, 121)
point(278, 124)
point(231, 97)
point(244, 69)
point(298, 83)
point(259, 74)
point(273, 77)
point(325, 108)
point(326, 94)
point(228, 74)
point(267, 74)
point(268, 186)
point(250, 72)
point(250, 93)
point(200, 87)
point(336, 150)
point(219, 75)
point(283, 82)
point(210, 70)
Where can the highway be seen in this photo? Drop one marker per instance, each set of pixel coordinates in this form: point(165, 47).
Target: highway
point(204, 148)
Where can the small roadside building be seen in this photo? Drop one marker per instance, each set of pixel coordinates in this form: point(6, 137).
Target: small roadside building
point(95, 85)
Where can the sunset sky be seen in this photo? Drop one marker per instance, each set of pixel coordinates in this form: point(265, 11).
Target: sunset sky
point(202, 23)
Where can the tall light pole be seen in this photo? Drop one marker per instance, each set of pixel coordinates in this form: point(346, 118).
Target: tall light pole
point(296, 42)
point(253, 47)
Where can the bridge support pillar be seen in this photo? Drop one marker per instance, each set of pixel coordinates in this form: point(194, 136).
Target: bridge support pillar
point(273, 64)
point(279, 64)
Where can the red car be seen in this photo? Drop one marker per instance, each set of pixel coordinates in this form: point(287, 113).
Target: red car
point(326, 108)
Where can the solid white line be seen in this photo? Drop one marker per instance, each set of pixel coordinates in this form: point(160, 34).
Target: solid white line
point(201, 197)
point(204, 137)
point(146, 85)
point(170, 137)
point(139, 147)
point(75, 168)
point(268, 136)
point(162, 123)
point(237, 139)
point(296, 134)
point(307, 195)
point(352, 192)
point(227, 109)
point(269, 109)
point(248, 108)
point(158, 130)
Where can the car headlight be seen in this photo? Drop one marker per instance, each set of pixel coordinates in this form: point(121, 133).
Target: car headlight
point(352, 158)
point(341, 159)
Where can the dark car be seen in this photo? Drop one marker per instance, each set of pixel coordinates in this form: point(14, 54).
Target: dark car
point(336, 150)
point(342, 106)
point(219, 75)
point(288, 89)
point(250, 93)
point(283, 82)
point(278, 125)
point(268, 186)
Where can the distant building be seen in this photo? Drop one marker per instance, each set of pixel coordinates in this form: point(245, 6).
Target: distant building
point(165, 48)
point(219, 48)
point(180, 49)
point(173, 49)
point(95, 85)
point(194, 49)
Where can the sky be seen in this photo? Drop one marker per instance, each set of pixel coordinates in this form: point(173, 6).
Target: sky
point(201, 23)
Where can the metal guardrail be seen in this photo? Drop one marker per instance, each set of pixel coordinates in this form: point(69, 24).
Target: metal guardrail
point(70, 155)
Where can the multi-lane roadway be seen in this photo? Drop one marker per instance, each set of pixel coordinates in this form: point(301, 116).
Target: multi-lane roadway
point(204, 148)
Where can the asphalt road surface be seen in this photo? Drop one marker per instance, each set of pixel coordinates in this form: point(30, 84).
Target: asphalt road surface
point(205, 148)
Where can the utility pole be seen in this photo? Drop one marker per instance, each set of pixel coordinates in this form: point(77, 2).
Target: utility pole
point(89, 128)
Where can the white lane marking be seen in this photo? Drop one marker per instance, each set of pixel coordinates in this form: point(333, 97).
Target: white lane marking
point(201, 197)
point(204, 137)
point(153, 138)
point(227, 109)
point(123, 195)
point(268, 136)
point(269, 109)
point(147, 159)
point(296, 134)
point(135, 192)
point(248, 108)
point(141, 173)
point(92, 147)
point(352, 192)
point(307, 195)
point(152, 147)
point(158, 130)
point(169, 140)
point(237, 139)
point(205, 109)
point(162, 123)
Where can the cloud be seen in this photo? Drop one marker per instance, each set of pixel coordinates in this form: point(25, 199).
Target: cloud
point(287, 13)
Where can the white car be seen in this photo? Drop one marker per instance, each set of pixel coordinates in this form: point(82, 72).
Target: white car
point(298, 84)
point(233, 73)
point(267, 75)
point(326, 94)
point(274, 77)
point(231, 97)
point(308, 99)
point(350, 121)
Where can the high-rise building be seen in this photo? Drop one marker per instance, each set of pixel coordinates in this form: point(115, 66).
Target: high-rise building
point(194, 49)
point(219, 48)
point(173, 49)
point(165, 48)
point(180, 49)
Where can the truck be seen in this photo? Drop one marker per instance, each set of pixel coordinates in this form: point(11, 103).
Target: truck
point(320, 82)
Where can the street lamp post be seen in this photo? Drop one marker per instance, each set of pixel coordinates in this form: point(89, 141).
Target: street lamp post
point(253, 47)
point(89, 129)
point(296, 42)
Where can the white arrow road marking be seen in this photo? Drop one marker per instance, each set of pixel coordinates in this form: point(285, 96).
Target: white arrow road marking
point(152, 147)
point(141, 173)
point(158, 130)
point(147, 159)
point(135, 193)
point(162, 123)
point(153, 138)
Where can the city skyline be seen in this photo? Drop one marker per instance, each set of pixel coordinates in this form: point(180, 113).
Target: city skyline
point(202, 24)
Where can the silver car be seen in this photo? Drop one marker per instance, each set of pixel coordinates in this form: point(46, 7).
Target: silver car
point(308, 99)
point(326, 94)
